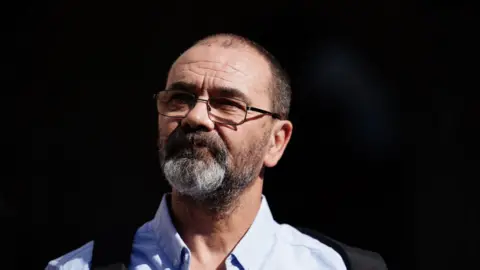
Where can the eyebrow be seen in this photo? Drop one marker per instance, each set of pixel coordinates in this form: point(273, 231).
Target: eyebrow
point(184, 86)
point(229, 92)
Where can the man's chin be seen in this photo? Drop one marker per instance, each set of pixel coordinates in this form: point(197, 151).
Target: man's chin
point(193, 194)
point(214, 202)
point(194, 177)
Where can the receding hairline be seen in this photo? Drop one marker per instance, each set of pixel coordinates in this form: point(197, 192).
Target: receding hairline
point(279, 90)
point(231, 41)
point(226, 41)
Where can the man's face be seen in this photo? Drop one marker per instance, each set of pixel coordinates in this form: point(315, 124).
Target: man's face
point(207, 161)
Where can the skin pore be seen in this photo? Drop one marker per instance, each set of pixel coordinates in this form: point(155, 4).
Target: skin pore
point(232, 158)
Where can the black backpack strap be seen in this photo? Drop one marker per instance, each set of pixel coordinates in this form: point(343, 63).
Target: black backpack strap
point(338, 247)
point(354, 258)
point(361, 259)
point(112, 248)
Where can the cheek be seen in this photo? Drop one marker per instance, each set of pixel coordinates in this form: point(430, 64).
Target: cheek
point(239, 142)
point(166, 127)
point(231, 138)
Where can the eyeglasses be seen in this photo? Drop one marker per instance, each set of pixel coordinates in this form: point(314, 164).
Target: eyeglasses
point(230, 111)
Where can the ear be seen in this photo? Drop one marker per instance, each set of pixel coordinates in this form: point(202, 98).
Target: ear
point(281, 134)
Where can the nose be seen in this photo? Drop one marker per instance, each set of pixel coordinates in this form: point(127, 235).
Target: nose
point(198, 116)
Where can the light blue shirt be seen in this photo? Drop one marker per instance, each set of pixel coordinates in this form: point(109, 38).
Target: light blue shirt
point(266, 245)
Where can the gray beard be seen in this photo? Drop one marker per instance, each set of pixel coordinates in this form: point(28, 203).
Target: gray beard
point(211, 181)
point(194, 178)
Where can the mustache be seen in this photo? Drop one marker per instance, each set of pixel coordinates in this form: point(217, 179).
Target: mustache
point(180, 142)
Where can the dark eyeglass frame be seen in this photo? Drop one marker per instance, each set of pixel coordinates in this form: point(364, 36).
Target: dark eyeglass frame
point(196, 99)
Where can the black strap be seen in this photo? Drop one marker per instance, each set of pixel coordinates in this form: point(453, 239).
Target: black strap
point(112, 248)
point(354, 258)
point(337, 246)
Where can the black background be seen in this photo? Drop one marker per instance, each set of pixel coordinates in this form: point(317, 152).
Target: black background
point(378, 157)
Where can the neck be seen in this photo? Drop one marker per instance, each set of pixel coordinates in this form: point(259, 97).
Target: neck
point(215, 234)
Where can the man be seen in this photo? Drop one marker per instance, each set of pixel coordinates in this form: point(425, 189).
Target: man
point(222, 120)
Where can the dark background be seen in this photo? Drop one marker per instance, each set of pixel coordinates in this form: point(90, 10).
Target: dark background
point(379, 156)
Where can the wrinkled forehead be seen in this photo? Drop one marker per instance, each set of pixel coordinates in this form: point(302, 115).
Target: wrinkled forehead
point(210, 67)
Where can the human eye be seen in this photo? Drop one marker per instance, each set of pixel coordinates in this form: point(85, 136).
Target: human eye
point(227, 104)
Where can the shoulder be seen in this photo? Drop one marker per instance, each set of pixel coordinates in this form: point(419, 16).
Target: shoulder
point(324, 247)
point(77, 259)
point(80, 258)
point(307, 250)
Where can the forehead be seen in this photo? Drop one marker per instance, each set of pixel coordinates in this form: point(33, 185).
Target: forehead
point(209, 67)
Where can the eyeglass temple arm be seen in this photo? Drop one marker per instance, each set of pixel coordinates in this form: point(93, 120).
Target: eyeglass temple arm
point(274, 115)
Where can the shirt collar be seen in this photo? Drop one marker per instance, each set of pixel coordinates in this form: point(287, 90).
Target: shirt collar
point(251, 251)
point(255, 245)
point(168, 238)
